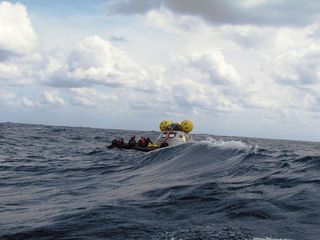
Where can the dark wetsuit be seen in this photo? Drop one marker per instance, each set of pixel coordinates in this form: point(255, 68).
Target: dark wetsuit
point(132, 142)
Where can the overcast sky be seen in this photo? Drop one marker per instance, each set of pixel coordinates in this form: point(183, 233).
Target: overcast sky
point(241, 68)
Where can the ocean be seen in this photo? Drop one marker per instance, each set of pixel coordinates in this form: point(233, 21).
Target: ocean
point(63, 183)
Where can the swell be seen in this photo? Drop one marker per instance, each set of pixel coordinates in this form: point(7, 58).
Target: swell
point(237, 180)
point(62, 183)
point(128, 222)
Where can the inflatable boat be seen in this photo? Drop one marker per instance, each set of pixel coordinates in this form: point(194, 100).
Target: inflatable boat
point(171, 134)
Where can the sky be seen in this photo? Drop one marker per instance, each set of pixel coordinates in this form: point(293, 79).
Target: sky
point(238, 68)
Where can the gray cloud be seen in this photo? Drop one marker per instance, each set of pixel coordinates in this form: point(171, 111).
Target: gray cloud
point(64, 82)
point(273, 12)
point(6, 55)
point(117, 39)
point(132, 7)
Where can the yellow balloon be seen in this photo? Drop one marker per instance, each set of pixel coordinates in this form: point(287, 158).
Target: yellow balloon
point(186, 126)
point(164, 124)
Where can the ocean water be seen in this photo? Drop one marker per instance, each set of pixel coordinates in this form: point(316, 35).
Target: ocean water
point(63, 183)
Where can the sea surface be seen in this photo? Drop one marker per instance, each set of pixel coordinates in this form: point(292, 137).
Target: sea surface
point(63, 183)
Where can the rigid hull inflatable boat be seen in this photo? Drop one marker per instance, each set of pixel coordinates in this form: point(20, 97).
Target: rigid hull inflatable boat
point(171, 134)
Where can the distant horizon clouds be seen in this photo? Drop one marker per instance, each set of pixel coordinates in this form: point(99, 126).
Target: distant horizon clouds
point(242, 68)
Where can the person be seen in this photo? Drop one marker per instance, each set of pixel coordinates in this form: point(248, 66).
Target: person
point(132, 141)
point(148, 140)
point(142, 142)
point(164, 144)
point(120, 142)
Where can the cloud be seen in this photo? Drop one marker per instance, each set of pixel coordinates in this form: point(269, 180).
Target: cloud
point(117, 39)
point(216, 67)
point(198, 81)
point(273, 12)
point(6, 55)
point(227, 79)
point(90, 97)
point(236, 68)
point(251, 61)
point(19, 72)
point(7, 98)
point(166, 20)
point(26, 102)
point(299, 67)
point(19, 57)
point(53, 97)
point(133, 7)
point(17, 36)
point(213, 65)
point(95, 61)
point(9, 71)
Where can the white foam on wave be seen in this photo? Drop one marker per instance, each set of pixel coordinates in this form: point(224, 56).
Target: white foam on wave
point(232, 144)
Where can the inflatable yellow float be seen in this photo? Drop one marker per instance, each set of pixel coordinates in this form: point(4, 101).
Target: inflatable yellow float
point(185, 126)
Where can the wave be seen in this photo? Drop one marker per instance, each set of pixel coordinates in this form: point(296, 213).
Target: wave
point(190, 164)
point(62, 183)
point(235, 178)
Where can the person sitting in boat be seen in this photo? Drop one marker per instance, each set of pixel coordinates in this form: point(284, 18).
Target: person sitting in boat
point(132, 141)
point(142, 142)
point(117, 142)
point(120, 142)
point(148, 140)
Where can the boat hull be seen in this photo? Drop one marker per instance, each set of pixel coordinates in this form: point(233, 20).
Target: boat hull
point(137, 148)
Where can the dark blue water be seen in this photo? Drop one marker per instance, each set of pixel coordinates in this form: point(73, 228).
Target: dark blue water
point(62, 183)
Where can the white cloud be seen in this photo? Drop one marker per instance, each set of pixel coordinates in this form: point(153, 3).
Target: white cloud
point(214, 66)
point(9, 71)
point(16, 33)
point(96, 61)
point(26, 102)
point(167, 21)
point(202, 59)
point(19, 57)
point(53, 97)
point(198, 81)
point(90, 97)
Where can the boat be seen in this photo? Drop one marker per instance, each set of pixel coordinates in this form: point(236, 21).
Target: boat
point(172, 133)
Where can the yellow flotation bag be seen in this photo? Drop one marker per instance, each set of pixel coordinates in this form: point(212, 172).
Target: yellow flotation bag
point(164, 124)
point(152, 145)
point(186, 126)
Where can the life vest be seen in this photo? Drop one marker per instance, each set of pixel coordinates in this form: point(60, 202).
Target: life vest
point(142, 142)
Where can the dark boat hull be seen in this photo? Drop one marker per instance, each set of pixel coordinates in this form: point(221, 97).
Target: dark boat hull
point(137, 148)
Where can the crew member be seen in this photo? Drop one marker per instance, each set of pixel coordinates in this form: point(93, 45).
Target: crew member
point(164, 144)
point(142, 142)
point(120, 142)
point(148, 140)
point(132, 141)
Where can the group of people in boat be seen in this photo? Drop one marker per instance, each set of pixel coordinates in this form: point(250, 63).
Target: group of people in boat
point(142, 142)
point(132, 143)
